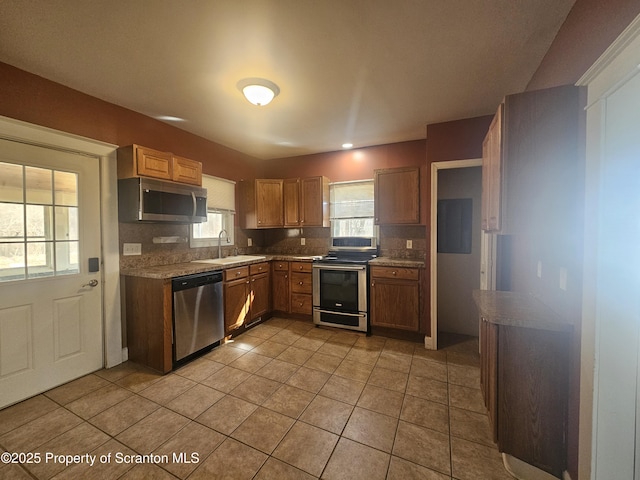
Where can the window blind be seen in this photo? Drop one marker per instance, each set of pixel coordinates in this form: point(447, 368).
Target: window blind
point(221, 193)
point(351, 199)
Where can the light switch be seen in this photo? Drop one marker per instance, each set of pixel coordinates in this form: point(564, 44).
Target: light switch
point(409, 244)
point(302, 241)
point(249, 242)
point(563, 278)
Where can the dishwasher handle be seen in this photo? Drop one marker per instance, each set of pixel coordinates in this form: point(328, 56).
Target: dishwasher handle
point(195, 280)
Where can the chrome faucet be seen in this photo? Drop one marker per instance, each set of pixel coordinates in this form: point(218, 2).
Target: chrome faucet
point(220, 241)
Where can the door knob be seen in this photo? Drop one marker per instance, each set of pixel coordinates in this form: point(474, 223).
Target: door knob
point(92, 283)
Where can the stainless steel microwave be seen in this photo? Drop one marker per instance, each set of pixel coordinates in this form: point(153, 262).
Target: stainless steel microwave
point(149, 200)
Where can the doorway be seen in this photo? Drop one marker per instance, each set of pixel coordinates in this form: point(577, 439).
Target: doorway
point(449, 288)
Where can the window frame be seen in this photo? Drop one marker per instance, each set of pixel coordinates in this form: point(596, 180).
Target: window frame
point(334, 219)
point(223, 205)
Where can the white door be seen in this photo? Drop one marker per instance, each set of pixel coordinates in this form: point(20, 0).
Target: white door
point(50, 301)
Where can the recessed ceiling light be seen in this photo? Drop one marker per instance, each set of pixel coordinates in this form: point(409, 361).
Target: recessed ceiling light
point(347, 145)
point(258, 91)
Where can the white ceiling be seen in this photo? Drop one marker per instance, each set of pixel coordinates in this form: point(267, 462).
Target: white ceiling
point(361, 71)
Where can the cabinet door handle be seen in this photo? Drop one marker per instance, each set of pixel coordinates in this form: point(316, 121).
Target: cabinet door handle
point(286, 276)
point(393, 273)
point(300, 283)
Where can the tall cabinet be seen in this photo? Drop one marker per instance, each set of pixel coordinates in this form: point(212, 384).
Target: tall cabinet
point(524, 374)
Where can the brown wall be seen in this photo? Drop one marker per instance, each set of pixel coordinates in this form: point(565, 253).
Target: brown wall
point(356, 164)
point(36, 100)
point(590, 27)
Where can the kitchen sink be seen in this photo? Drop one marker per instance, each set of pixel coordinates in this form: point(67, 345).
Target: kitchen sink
point(231, 260)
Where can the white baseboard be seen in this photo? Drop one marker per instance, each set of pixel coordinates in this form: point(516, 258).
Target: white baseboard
point(429, 343)
point(523, 471)
point(125, 354)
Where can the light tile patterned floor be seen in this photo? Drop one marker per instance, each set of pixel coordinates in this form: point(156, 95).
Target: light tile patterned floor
point(285, 400)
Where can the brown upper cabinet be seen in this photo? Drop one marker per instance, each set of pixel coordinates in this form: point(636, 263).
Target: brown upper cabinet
point(261, 203)
point(492, 174)
point(277, 203)
point(532, 163)
point(187, 171)
point(306, 202)
point(397, 196)
point(137, 161)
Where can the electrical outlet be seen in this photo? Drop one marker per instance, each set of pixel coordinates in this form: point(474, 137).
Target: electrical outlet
point(132, 249)
point(539, 269)
point(249, 242)
point(409, 243)
point(302, 241)
point(563, 278)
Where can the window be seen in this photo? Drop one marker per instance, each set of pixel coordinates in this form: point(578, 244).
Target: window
point(352, 209)
point(39, 228)
point(221, 209)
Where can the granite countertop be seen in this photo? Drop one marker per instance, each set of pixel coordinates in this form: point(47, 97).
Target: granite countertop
point(518, 310)
point(190, 268)
point(393, 262)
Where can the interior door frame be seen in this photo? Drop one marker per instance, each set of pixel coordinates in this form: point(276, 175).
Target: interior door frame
point(609, 439)
point(17, 130)
point(431, 342)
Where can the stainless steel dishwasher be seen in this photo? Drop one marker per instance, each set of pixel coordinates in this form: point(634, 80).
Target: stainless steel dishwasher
point(198, 314)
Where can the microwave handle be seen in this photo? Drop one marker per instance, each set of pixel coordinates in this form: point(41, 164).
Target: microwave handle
point(193, 198)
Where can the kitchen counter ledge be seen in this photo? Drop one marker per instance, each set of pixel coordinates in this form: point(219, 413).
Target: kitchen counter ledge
point(394, 262)
point(518, 310)
point(190, 268)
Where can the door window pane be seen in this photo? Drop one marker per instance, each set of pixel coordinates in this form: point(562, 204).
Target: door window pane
point(39, 259)
point(39, 223)
point(39, 227)
point(11, 183)
point(38, 183)
point(12, 223)
point(66, 223)
point(12, 261)
point(66, 188)
point(67, 258)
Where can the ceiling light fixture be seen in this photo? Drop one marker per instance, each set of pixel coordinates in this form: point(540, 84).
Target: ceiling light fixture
point(258, 90)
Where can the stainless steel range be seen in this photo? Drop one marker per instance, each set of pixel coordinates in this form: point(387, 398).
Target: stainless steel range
point(340, 284)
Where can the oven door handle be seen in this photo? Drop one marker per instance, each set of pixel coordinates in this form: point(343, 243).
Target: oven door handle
point(339, 267)
point(341, 313)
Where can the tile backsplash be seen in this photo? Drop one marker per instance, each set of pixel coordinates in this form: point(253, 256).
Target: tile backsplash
point(393, 241)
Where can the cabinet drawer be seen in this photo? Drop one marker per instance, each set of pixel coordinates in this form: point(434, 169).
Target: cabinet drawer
point(258, 268)
point(301, 303)
point(281, 266)
point(238, 272)
point(301, 267)
point(402, 273)
point(301, 283)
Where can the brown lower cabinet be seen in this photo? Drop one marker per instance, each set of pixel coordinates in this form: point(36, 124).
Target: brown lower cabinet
point(149, 318)
point(394, 297)
point(524, 374)
point(246, 295)
point(280, 286)
point(292, 287)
